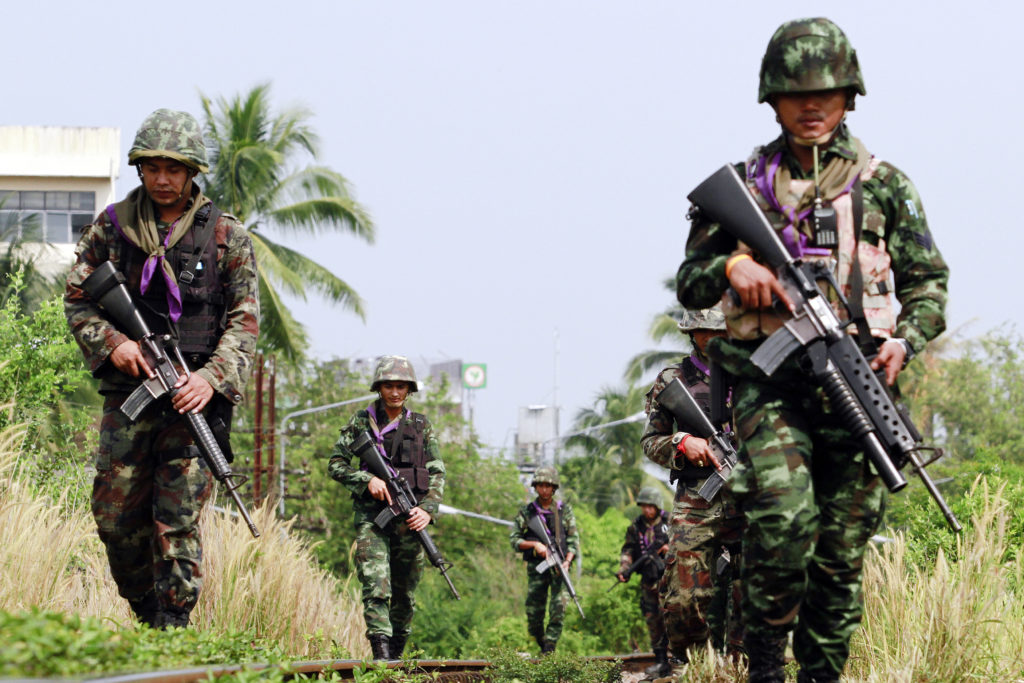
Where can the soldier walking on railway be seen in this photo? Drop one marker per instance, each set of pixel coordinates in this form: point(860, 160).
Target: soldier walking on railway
point(647, 537)
point(389, 561)
point(810, 499)
point(699, 591)
point(191, 272)
point(545, 592)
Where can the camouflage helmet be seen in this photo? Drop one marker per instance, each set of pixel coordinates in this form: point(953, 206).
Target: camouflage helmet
point(649, 496)
point(545, 475)
point(394, 369)
point(806, 55)
point(702, 319)
point(172, 134)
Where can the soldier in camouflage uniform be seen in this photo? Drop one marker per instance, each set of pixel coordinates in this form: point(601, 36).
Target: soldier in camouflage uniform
point(390, 561)
point(700, 590)
point(547, 591)
point(191, 271)
point(648, 535)
point(810, 499)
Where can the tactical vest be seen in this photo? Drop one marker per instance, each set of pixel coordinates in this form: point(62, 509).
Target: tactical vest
point(875, 261)
point(651, 571)
point(409, 457)
point(555, 528)
point(202, 301)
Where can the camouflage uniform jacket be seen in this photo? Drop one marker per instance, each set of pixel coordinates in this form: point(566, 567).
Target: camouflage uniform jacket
point(344, 465)
point(892, 214)
point(656, 440)
point(565, 519)
point(228, 367)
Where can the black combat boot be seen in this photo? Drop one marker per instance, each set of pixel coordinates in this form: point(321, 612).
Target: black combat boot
point(379, 646)
point(396, 646)
point(806, 676)
point(767, 657)
point(173, 616)
point(548, 647)
point(146, 609)
point(661, 667)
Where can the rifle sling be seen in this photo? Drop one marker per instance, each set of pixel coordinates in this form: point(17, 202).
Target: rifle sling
point(864, 339)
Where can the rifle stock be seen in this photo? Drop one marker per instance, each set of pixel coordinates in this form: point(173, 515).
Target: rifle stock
point(681, 404)
point(403, 500)
point(106, 287)
point(854, 390)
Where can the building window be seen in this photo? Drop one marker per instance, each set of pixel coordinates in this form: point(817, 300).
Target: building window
point(61, 215)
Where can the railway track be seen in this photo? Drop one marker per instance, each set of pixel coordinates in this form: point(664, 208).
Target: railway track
point(451, 671)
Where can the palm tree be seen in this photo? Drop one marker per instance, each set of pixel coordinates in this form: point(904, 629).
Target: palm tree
point(663, 327)
point(255, 157)
point(610, 473)
point(21, 248)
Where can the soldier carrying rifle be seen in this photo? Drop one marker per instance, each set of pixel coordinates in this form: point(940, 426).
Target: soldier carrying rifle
point(812, 467)
point(190, 269)
point(389, 558)
point(546, 590)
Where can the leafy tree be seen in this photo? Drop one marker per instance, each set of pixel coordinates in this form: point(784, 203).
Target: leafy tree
point(610, 473)
point(256, 174)
point(664, 327)
point(21, 238)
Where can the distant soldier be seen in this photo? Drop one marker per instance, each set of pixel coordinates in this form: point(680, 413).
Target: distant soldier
point(390, 561)
point(190, 269)
point(700, 596)
point(647, 537)
point(547, 591)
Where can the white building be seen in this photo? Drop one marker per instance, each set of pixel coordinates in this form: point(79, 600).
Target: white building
point(64, 175)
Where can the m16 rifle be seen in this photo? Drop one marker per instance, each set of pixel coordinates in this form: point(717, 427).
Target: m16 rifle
point(855, 392)
point(554, 559)
point(639, 563)
point(106, 287)
point(402, 502)
point(681, 404)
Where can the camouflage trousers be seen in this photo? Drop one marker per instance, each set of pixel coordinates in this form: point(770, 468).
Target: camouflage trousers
point(651, 611)
point(389, 564)
point(811, 505)
point(545, 593)
point(697, 600)
point(147, 495)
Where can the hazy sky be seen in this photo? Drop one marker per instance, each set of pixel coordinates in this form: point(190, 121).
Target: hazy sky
point(527, 163)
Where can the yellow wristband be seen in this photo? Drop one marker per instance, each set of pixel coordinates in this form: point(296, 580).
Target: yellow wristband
point(733, 260)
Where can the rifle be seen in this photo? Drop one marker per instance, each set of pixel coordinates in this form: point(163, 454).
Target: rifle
point(678, 401)
point(638, 564)
point(402, 502)
point(554, 558)
point(864, 403)
point(106, 287)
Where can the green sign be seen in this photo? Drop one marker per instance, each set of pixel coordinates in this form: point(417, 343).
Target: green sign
point(474, 375)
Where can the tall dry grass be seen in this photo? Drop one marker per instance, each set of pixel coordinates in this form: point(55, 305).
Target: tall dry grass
point(273, 585)
point(51, 559)
point(958, 621)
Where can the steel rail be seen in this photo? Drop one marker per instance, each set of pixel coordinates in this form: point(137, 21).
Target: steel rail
point(452, 671)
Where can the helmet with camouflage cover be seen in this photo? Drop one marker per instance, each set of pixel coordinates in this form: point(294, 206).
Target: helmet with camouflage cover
point(702, 319)
point(649, 495)
point(172, 134)
point(394, 369)
point(806, 55)
point(545, 475)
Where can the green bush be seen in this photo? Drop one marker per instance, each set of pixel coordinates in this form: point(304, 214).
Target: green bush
point(41, 368)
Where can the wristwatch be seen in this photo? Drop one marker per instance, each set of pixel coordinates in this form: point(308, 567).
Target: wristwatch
point(678, 437)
